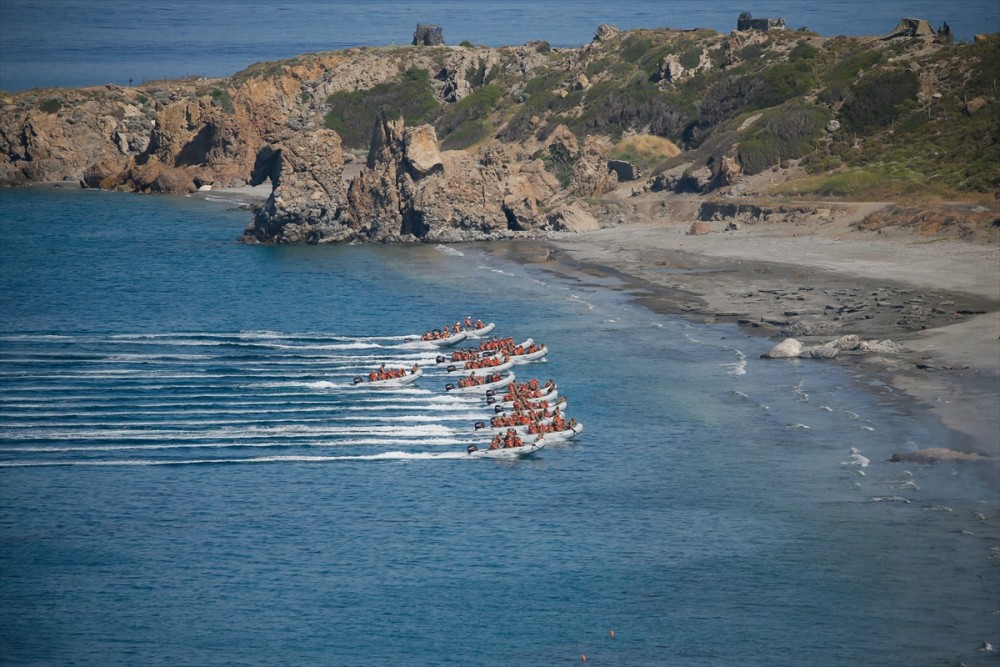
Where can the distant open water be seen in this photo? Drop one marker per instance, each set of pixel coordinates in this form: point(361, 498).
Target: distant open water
point(74, 43)
point(189, 477)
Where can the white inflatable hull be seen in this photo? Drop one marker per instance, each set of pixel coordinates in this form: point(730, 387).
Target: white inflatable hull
point(562, 436)
point(509, 452)
point(550, 396)
point(528, 358)
point(389, 382)
point(478, 372)
point(482, 388)
point(521, 429)
point(450, 341)
point(481, 332)
point(533, 404)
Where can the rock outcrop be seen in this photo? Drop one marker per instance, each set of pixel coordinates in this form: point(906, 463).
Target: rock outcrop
point(409, 190)
point(307, 202)
point(792, 348)
point(529, 135)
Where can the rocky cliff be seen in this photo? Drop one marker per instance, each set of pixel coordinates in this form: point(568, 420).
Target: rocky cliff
point(455, 143)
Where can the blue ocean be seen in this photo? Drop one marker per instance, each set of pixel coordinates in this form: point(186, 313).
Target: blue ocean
point(78, 43)
point(188, 475)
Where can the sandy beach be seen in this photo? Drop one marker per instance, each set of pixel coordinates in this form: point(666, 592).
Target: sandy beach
point(937, 299)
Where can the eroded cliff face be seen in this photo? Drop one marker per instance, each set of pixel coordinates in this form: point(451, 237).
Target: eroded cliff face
point(517, 140)
point(256, 127)
point(409, 190)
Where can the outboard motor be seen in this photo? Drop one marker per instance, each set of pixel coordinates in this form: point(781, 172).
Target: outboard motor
point(472, 448)
point(480, 425)
point(358, 379)
point(449, 387)
point(451, 368)
point(441, 359)
point(498, 408)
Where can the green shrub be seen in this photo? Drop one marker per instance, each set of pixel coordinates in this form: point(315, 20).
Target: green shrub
point(634, 106)
point(635, 46)
point(466, 134)
point(598, 66)
point(473, 109)
point(222, 98)
point(803, 51)
point(840, 79)
point(690, 58)
point(51, 105)
point(541, 100)
point(873, 183)
point(784, 136)
point(821, 164)
point(352, 115)
point(753, 51)
point(876, 100)
point(984, 58)
point(781, 83)
point(726, 98)
point(560, 163)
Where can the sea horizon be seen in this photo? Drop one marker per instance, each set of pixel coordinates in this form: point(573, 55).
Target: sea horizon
point(66, 43)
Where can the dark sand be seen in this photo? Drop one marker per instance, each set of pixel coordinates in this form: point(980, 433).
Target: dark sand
point(936, 299)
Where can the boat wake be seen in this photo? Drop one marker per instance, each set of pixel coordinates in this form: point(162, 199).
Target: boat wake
point(384, 456)
point(101, 400)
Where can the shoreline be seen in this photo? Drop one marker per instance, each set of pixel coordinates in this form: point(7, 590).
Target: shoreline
point(937, 300)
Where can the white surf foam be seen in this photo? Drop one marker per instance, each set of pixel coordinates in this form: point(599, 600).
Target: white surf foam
point(856, 459)
point(737, 368)
point(447, 250)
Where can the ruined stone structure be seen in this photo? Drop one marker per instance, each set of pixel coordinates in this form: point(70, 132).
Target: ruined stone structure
point(748, 22)
point(428, 34)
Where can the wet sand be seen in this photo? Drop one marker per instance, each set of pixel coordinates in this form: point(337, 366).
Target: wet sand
point(936, 299)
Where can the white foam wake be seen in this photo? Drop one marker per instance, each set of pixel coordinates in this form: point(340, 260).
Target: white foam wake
point(738, 367)
point(856, 459)
point(384, 456)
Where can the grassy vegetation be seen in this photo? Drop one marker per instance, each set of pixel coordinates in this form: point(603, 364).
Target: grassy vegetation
point(783, 136)
point(51, 105)
point(904, 109)
point(221, 97)
point(881, 182)
point(352, 115)
point(644, 151)
point(465, 123)
point(877, 100)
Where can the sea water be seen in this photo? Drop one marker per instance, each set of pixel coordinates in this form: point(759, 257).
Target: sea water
point(75, 43)
point(189, 475)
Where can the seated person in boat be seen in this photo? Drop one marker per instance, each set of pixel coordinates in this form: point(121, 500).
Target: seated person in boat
point(511, 439)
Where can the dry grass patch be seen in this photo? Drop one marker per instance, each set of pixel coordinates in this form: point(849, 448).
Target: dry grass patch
point(646, 151)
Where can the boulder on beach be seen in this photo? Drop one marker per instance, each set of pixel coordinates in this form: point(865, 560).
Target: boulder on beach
point(789, 348)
